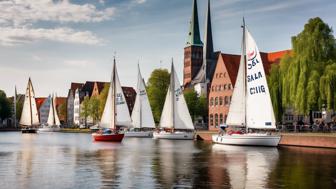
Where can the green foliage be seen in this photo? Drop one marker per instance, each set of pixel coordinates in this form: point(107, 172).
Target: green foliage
point(94, 104)
point(62, 110)
point(5, 106)
point(306, 79)
point(85, 108)
point(157, 87)
point(102, 98)
point(192, 102)
point(202, 106)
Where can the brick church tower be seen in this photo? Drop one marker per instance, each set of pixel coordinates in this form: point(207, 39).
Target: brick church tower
point(193, 52)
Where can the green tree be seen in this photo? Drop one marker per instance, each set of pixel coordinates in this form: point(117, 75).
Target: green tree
point(157, 87)
point(94, 105)
point(5, 106)
point(102, 98)
point(85, 109)
point(62, 110)
point(191, 98)
point(202, 107)
point(274, 82)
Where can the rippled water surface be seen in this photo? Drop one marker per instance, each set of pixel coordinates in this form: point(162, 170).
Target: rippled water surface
point(61, 160)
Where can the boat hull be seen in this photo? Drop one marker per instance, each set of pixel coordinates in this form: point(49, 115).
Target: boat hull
point(29, 130)
point(247, 140)
point(46, 129)
point(174, 135)
point(139, 134)
point(107, 137)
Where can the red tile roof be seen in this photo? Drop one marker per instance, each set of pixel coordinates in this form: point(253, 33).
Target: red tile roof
point(39, 101)
point(75, 86)
point(231, 62)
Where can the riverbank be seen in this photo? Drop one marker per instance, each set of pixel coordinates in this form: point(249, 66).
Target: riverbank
point(319, 140)
point(68, 130)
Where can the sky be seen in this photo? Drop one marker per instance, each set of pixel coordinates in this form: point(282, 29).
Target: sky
point(56, 42)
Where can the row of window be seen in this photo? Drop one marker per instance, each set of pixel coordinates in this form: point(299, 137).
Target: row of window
point(220, 101)
point(221, 87)
point(220, 75)
point(214, 121)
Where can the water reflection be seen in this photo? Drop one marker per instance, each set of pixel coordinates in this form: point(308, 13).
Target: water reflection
point(247, 167)
point(74, 161)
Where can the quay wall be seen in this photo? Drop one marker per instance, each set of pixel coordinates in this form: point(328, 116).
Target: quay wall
point(320, 140)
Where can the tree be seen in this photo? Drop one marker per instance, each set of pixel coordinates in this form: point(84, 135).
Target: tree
point(307, 77)
point(62, 110)
point(102, 98)
point(5, 106)
point(94, 105)
point(157, 87)
point(191, 98)
point(202, 107)
point(85, 109)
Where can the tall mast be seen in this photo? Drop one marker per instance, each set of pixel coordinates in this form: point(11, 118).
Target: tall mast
point(244, 68)
point(172, 90)
point(15, 108)
point(30, 103)
point(139, 91)
point(53, 104)
point(114, 94)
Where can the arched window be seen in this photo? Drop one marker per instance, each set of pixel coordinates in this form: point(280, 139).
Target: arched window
point(220, 100)
point(226, 100)
point(220, 118)
point(212, 88)
point(216, 101)
point(229, 86)
point(224, 87)
point(211, 120)
point(211, 101)
point(216, 120)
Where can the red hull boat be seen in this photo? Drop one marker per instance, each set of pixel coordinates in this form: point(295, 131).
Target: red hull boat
point(111, 137)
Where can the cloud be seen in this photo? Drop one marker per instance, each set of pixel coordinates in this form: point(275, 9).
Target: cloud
point(16, 36)
point(21, 12)
point(78, 63)
point(140, 1)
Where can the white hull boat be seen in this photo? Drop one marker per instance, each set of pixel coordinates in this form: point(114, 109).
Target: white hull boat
point(249, 139)
point(251, 105)
point(49, 129)
point(174, 135)
point(140, 134)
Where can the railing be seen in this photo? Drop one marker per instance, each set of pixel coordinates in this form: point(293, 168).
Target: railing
point(326, 128)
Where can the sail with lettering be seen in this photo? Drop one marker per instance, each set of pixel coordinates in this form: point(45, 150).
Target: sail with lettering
point(29, 115)
point(259, 109)
point(116, 110)
point(142, 116)
point(175, 112)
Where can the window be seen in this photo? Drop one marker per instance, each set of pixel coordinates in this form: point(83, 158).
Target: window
point(226, 100)
point(220, 118)
point(216, 75)
point(225, 118)
point(212, 88)
point(229, 86)
point(220, 87)
point(220, 100)
point(216, 101)
point(211, 101)
point(216, 120)
point(224, 87)
point(211, 120)
point(230, 99)
point(221, 75)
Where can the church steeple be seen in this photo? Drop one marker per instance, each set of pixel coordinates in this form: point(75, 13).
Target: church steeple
point(194, 37)
point(208, 50)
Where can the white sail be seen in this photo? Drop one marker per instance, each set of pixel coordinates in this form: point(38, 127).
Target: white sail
point(29, 115)
point(115, 110)
point(236, 115)
point(76, 108)
point(142, 116)
point(259, 109)
point(175, 112)
point(57, 120)
point(123, 117)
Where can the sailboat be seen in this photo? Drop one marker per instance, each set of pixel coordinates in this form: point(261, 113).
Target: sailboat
point(115, 114)
point(29, 120)
point(175, 115)
point(142, 116)
point(251, 105)
point(53, 123)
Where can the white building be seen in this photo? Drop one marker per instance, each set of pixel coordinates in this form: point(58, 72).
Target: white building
point(76, 108)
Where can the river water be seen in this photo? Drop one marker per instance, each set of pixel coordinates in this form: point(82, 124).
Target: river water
point(64, 160)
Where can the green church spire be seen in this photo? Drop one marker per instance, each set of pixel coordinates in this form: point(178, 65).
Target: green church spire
point(194, 37)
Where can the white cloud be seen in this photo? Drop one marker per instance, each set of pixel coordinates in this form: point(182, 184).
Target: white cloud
point(21, 12)
point(78, 63)
point(140, 1)
point(16, 36)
